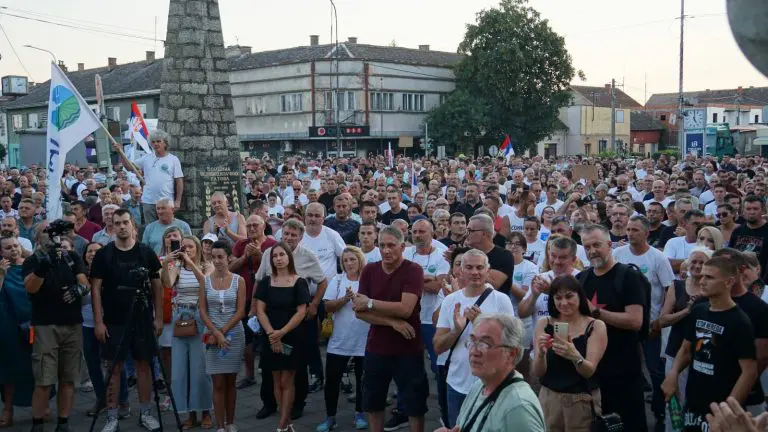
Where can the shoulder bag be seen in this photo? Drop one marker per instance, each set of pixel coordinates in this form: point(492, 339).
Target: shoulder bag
point(489, 402)
point(183, 328)
point(326, 327)
point(478, 303)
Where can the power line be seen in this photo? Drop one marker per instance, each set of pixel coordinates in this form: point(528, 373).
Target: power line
point(642, 24)
point(72, 20)
point(81, 28)
point(2, 28)
point(410, 72)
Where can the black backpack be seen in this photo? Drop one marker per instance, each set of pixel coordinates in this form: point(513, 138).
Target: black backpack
point(645, 285)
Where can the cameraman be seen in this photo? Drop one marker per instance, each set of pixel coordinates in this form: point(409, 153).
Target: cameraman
point(56, 282)
point(123, 314)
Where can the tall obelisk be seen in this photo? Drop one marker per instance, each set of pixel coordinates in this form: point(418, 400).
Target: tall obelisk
point(196, 108)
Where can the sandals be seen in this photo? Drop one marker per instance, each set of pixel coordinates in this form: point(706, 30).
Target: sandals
point(207, 422)
point(6, 420)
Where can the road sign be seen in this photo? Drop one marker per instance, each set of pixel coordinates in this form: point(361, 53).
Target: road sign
point(493, 150)
point(694, 143)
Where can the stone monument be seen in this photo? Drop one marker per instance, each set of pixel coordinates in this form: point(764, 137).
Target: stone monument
point(196, 108)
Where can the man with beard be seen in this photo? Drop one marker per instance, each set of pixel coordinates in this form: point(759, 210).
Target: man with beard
point(752, 236)
point(620, 371)
point(472, 201)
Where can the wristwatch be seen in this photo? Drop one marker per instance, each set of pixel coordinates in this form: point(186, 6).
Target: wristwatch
point(578, 363)
point(370, 304)
point(596, 313)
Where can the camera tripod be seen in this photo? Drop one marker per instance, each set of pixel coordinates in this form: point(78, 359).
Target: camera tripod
point(140, 314)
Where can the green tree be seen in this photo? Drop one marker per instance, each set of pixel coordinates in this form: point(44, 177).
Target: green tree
point(3, 152)
point(517, 68)
point(459, 121)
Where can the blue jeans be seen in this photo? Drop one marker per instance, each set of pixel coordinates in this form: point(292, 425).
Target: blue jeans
point(655, 365)
point(93, 362)
point(130, 369)
point(455, 399)
point(427, 333)
point(190, 384)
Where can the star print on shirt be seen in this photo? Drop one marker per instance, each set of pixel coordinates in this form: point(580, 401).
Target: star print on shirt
point(595, 303)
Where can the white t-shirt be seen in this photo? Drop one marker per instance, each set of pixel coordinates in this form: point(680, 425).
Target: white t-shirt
point(373, 256)
point(706, 197)
point(515, 223)
point(26, 244)
point(459, 376)
point(276, 210)
point(522, 277)
point(655, 267)
point(535, 251)
point(544, 233)
point(505, 210)
point(159, 176)
point(678, 248)
point(433, 265)
point(711, 209)
point(540, 207)
point(540, 308)
point(350, 334)
point(328, 246)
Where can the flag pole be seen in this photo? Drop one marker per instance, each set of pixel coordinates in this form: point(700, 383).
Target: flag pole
point(119, 149)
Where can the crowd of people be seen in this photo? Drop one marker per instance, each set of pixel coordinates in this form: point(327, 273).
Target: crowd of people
point(526, 298)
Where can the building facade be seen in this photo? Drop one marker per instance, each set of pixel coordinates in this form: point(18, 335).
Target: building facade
point(291, 101)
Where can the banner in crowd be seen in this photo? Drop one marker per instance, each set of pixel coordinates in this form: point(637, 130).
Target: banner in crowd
point(139, 133)
point(70, 120)
point(694, 144)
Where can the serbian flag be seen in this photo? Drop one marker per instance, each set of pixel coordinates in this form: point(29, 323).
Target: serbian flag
point(390, 156)
point(138, 129)
point(506, 147)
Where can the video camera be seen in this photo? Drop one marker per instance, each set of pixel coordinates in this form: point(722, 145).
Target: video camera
point(58, 227)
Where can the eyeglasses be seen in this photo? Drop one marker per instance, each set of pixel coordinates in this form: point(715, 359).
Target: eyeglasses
point(482, 346)
point(471, 230)
point(514, 244)
point(722, 215)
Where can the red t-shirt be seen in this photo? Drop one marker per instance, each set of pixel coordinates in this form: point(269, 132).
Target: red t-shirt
point(378, 285)
point(88, 230)
point(248, 270)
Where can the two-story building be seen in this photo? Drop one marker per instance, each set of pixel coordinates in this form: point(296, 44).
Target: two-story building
point(646, 132)
point(736, 107)
point(291, 100)
point(588, 120)
point(123, 84)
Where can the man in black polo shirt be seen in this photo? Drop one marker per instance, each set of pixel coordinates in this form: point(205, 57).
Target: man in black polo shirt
point(394, 198)
point(480, 236)
point(471, 201)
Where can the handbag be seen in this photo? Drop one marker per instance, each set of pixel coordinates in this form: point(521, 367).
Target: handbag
point(605, 423)
point(184, 328)
point(326, 327)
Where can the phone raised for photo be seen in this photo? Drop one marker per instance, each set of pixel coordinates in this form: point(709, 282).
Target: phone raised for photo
point(561, 330)
point(175, 245)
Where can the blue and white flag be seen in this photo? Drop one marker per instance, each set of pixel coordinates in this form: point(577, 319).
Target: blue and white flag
point(69, 122)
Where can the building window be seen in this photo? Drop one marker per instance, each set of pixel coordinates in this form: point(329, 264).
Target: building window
point(254, 106)
point(663, 117)
point(443, 98)
point(619, 116)
point(714, 117)
point(18, 122)
point(291, 103)
point(142, 109)
point(413, 102)
point(602, 145)
point(346, 100)
point(351, 101)
point(587, 149)
point(641, 149)
point(113, 113)
point(32, 120)
point(725, 118)
point(382, 101)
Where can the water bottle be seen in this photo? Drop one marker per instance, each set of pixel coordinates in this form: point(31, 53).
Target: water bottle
point(222, 354)
point(675, 413)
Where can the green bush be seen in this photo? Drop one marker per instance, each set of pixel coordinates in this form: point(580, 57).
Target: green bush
point(607, 154)
point(668, 152)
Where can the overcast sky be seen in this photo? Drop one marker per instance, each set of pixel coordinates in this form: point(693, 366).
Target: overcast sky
point(633, 42)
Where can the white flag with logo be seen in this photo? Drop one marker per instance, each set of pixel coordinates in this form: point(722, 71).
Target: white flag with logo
point(69, 122)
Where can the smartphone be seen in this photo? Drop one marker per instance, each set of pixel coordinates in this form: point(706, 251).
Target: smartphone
point(561, 330)
point(175, 245)
point(287, 349)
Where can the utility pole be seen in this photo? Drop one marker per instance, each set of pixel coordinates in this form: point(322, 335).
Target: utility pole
point(613, 114)
point(336, 92)
point(426, 139)
point(680, 102)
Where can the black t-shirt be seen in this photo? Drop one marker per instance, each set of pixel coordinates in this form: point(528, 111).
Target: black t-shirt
point(48, 306)
point(622, 354)
point(757, 312)
point(113, 266)
point(389, 216)
point(468, 210)
point(326, 199)
point(667, 233)
point(718, 341)
point(747, 239)
point(502, 260)
point(654, 236)
point(615, 240)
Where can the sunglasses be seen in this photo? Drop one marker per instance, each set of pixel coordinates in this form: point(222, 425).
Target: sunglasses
point(722, 215)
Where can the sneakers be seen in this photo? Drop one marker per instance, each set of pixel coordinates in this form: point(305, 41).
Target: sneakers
point(148, 422)
point(123, 411)
point(326, 425)
point(316, 384)
point(111, 426)
point(97, 408)
point(232, 428)
point(396, 422)
point(346, 384)
point(87, 386)
point(165, 404)
point(360, 422)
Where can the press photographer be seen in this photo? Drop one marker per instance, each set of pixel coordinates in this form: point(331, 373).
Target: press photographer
point(56, 282)
point(126, 287)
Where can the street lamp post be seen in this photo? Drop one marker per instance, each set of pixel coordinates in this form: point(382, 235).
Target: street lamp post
point(53, 56)
point(336, 92)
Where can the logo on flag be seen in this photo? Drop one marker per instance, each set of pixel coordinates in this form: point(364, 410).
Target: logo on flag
point(139, 132)
point(66, 110)
point(506, 147)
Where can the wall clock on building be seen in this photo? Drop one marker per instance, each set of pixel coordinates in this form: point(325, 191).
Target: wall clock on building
point(695, 119)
